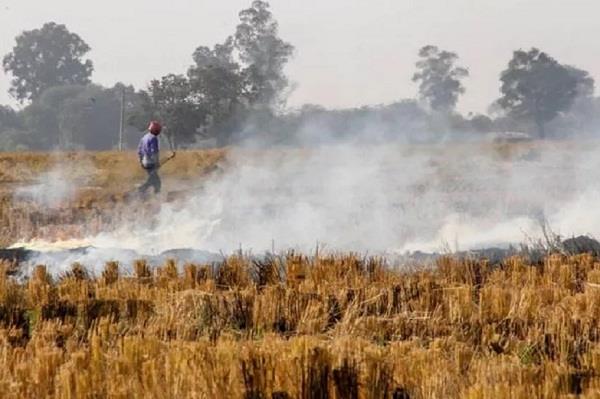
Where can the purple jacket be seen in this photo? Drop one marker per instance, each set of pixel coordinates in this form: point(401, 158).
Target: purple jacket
point(148, 150)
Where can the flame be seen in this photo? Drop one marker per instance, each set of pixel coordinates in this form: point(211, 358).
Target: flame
point(51, 246)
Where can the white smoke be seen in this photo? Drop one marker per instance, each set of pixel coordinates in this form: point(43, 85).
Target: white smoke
point(581, 215)
point(378, 198)
point(51, 190)
point(56, 186)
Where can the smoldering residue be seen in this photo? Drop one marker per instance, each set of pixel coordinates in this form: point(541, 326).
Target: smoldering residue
point(378, 198)
point(56, 186)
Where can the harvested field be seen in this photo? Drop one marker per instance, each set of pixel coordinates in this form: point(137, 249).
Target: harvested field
point(327, 327)
point(101, 199)
point(320, 324)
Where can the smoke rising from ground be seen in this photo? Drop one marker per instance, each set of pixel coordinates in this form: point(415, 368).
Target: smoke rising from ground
point(55, 186)
point(371, 198)
point(379, 198)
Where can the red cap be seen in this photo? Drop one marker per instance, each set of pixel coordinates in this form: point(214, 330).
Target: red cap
point(155, 128)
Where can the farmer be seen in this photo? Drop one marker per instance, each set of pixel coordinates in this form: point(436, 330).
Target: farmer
point(148, 152)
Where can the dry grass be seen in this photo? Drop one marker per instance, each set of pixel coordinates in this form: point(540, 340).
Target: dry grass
point(104, 168)
point(105, 183)
point(335, 326)
point(297, 327)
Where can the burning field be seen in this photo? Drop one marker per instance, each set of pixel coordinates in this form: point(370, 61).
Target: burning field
point(371, 272)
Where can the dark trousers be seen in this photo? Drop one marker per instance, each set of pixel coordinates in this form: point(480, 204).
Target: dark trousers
point(152, 181)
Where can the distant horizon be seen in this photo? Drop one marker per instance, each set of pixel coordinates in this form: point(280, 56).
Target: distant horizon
point(348, 53)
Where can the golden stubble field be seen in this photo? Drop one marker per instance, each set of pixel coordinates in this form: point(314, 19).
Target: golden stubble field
point(334, 326)
point(103, 185)
point(288, 326)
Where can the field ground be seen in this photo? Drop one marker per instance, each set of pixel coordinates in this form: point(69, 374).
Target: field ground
point(289, 326)
point(294, 327)
point(96, 193)
point(84, 193)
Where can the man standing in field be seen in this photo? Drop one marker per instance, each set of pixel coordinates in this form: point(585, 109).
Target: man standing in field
point(148, 152)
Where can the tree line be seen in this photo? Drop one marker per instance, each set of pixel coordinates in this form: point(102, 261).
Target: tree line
point(236, 90)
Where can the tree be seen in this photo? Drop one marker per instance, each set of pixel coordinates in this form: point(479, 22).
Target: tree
point(12, 135)
point(440, 79)
point(9, 118)
point(43, 117)
point(74, 116)
point(585, 83)
point(264, 55)
point(240, 79)
point(90, 119)
point(536, 87)
point(172, 101)
point(217, 84)
point(44, 58)
point(480, 123)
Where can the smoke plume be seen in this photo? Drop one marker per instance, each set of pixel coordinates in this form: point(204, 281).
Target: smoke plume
point(56, 186)
point(379, 198)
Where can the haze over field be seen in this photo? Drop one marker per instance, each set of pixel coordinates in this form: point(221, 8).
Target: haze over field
point(370, 198)
point(254, 199)
point(349, 52)
point(411, 170)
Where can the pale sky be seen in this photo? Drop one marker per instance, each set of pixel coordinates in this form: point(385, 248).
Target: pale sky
point(348, 52)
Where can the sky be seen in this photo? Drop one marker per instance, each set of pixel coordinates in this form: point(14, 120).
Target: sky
point(348, 52)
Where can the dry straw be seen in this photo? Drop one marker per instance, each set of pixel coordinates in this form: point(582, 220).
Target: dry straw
point(334, 326)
